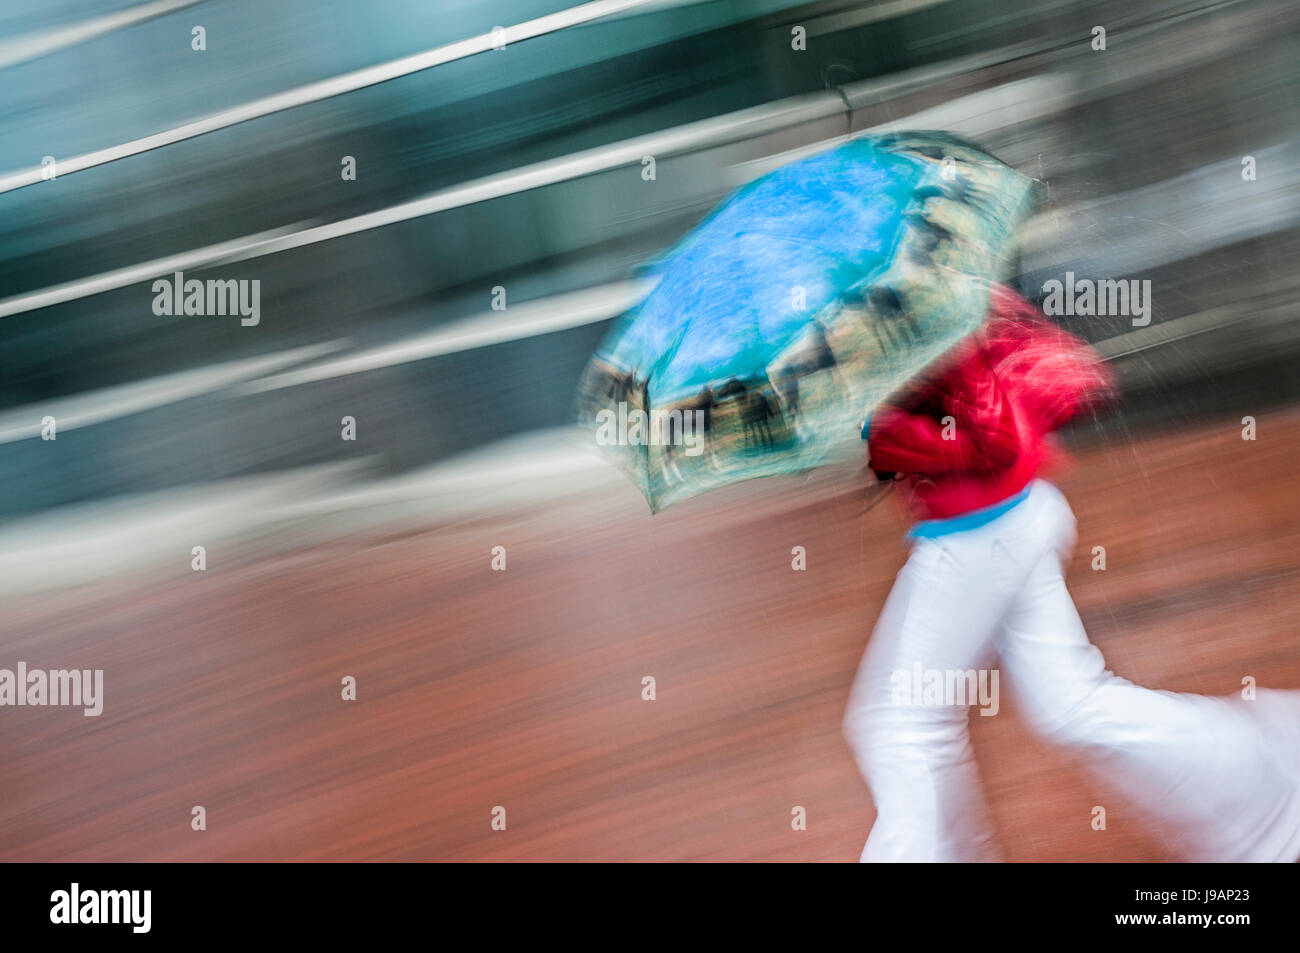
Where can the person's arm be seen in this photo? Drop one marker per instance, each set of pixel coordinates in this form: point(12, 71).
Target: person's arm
point(982, 436)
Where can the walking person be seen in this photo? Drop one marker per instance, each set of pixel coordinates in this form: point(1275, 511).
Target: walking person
point(972, 443)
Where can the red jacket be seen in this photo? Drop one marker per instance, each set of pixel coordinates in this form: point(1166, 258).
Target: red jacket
point(978, 427)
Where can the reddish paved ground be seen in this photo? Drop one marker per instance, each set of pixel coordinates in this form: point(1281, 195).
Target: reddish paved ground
point(523, 688)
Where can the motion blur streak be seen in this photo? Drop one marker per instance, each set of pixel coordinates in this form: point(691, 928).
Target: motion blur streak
point(327, 88)
point(439, 251)
point(25, 48)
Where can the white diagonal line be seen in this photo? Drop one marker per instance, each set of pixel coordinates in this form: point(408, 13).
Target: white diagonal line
point(327, 88)
point(34, 45)
point(729, 128)
point(545, 316)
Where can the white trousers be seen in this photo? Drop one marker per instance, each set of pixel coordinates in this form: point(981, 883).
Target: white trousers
point(1220, 775)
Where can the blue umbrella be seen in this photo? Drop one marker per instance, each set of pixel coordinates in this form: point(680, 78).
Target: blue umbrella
point(798, 305)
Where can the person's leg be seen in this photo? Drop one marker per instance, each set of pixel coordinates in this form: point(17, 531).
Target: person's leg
point(917, 758)
point(1213, 770)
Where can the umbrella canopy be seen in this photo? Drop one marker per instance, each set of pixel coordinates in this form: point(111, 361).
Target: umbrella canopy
point(798, 305)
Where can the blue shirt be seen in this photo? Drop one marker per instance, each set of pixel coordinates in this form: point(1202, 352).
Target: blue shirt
point(929, 529)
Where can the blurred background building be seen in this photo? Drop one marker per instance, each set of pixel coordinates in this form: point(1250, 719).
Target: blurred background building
point(1139, 148)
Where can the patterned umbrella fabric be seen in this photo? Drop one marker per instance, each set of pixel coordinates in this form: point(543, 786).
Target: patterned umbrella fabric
point(797, 306)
